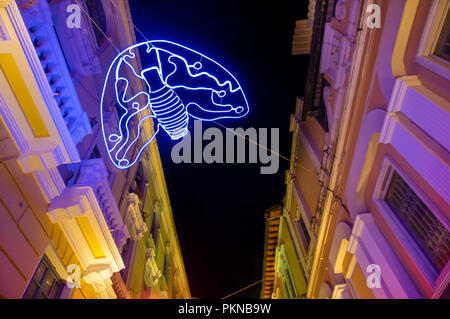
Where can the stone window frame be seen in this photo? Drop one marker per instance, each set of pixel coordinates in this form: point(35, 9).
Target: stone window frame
point(430, 37)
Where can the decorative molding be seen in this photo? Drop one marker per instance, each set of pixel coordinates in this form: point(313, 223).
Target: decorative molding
point(78, 201)
point(408, 17)
point(99, 276)
point(28, 50)
point(93, 173)
point(97, 272)
point(336, 59)
point(42, 155)
point(429, 38)
point(413, 102)
point(79, 43)
point(369, 246)
point(50, 182)
point(48, 48)
point(4, 34)
point(341, 291)
point(422, 106)
point(342, 231)
point(119, 286)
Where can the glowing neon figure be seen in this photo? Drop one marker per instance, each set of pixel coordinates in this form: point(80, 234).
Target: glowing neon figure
point(178, 83)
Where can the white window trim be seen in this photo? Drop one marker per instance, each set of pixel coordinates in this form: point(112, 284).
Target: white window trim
point(430, 36)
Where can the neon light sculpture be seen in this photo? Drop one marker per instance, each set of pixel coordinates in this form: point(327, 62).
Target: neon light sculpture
point(179, 83)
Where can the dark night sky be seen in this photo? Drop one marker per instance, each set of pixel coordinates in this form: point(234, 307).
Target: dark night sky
point(219, 208)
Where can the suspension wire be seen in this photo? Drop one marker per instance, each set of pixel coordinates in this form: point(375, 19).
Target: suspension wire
point(131, 22)
point(247, 287)
point(96, 25)
point(264, 147)
point(230, 130)
point(251, 141)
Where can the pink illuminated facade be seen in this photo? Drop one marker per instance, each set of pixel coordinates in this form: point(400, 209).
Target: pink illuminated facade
point(367, 197)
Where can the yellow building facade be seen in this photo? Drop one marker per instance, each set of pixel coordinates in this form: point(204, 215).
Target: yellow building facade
point(71, 225)
point(367, 190)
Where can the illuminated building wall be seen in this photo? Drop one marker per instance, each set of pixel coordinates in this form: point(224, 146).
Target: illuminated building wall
point(283, 275)
point(62, 202)
point(367, 189)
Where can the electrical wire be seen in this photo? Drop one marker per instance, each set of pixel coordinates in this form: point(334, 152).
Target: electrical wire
point(131, 22)
point(251, 141)
point(247, 287)
point(95, 23)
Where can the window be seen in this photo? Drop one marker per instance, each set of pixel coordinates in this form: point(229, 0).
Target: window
point(45, 283)
point(319, 110)
point(95, 153)
point(304, 231)
point(96, 12)
point(427, 231)
point(154, 226)
point(442, 49)
point(433, 51)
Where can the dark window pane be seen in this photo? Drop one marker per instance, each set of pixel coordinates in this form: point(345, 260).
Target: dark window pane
point(54, 293)
point(95, 153)
point(47, 284)
point(31, 292)
point(305, 232)
point(319, 110)
point(41, 295)
point(443, 46)
point(96, 12)
point(40, 273)
point(430, 234)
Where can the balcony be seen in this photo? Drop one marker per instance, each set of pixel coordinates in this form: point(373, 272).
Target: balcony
point(34, 132)
point(92, 173)
point(88, 215)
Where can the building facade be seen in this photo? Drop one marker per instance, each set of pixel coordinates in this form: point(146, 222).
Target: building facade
point(367, 200)
point(71, 224)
